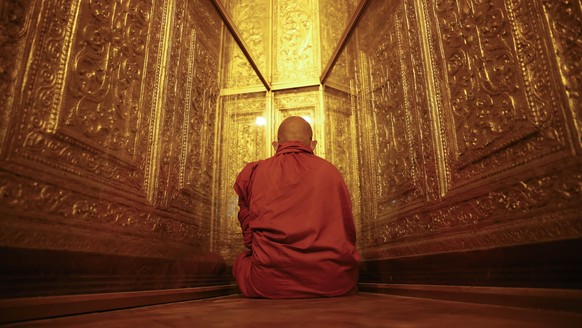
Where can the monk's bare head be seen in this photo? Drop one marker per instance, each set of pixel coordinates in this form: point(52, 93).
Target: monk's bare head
point(295, 128)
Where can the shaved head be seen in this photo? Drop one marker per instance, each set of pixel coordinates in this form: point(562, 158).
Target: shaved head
point(295, 128)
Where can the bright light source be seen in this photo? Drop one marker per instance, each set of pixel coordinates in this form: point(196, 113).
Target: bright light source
point(261, 121)
point(308, 119)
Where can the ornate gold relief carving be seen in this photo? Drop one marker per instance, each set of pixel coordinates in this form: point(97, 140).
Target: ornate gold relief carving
point(480, 70)
point(565, 24)
point(340, 146)
point(15, 23)
point(342, 73)
point(84, 87)
point(101, 120)
point(199, 121)
point(498, 218)
point(503, 100)
point(333, 20)
point(341, 142)
point(295, 44)
point(67, 213)
point(487, 102)
point(104, 79)
point(399, 160)
point(188, 126)
point(237, 72)
point(243, 142)
point(253, 20)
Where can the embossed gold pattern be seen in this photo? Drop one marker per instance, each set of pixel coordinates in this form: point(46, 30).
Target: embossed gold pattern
point(111, 131)
point(243, 141)
point(456, 103)
point(253, 19)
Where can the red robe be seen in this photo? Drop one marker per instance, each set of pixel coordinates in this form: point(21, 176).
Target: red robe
point(297, 224)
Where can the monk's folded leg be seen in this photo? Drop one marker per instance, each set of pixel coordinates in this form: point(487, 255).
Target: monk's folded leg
point(241, 271)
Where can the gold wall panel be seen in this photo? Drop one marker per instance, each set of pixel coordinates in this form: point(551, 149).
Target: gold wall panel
point(253, 20)
point(243, 141)
point(341, 143)
point(79, 115)
point(467, 124)
point(16, 25)
point(189, 122)
point(504, 99)
point(341, 77)
point(564, 20)
point(333, 20)
point(393, 110)
point(296, 55)
point(109, 128)
point(237, 74)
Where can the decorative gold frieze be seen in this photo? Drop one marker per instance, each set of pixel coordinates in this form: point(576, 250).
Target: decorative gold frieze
point(542, 208)
point(62, 211)
point(562, 226)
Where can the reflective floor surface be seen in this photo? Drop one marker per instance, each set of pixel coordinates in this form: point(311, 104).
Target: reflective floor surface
point(360, 310)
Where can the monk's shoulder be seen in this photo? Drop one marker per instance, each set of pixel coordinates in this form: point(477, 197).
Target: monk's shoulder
point(247, 171)
point(325, 166)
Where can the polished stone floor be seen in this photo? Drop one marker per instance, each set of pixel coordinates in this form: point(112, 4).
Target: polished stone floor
point(361, 310)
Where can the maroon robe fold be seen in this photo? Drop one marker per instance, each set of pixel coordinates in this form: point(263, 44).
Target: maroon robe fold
point(297, 224)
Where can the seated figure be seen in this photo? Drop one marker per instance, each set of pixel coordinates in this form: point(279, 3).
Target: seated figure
point(297, 223)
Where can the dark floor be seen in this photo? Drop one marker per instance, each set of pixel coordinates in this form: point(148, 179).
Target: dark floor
point(361, 310)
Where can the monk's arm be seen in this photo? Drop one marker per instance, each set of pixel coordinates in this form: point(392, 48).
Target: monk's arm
point(241, 188)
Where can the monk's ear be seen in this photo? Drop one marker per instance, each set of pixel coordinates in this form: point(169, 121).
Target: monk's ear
point(312, 144)
point(275, 144)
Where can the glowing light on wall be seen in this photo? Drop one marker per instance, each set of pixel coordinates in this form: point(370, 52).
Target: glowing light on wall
point(261, 121)
point(308, 119)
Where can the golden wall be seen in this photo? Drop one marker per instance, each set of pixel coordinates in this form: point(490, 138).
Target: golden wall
point(468, 124)
point(108, 140)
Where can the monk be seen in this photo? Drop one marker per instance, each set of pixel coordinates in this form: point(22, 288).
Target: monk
point(297, 223)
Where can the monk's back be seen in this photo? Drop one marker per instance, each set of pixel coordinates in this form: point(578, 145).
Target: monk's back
point(303, 235)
